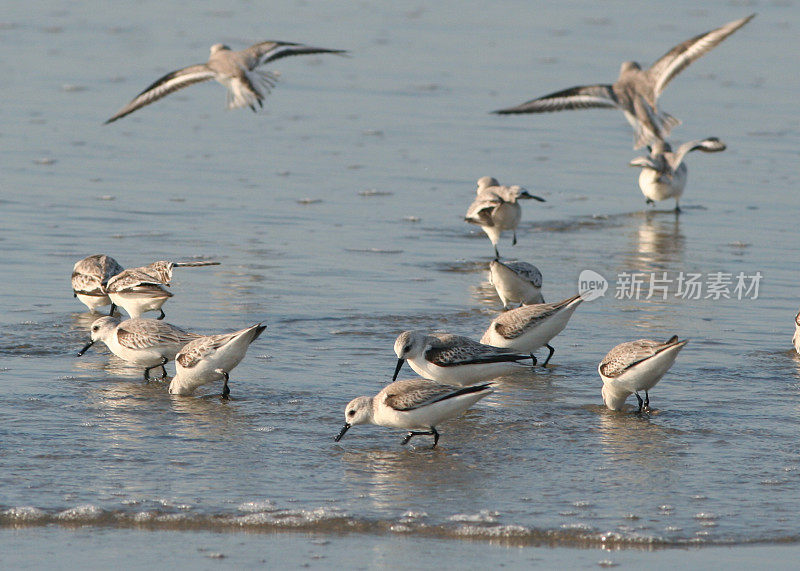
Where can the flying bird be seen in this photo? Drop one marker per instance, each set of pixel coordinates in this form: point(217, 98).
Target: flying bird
point(236, 70)
point(636, 90)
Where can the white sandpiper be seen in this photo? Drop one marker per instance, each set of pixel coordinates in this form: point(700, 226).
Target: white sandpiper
point(496, 209)
point(636, 91)
point(516, 282)
point(531, 326)
point(417, 405)
point(142, 289)
point(796, 337)
point(664, 173)
point(236, 70)
point(453, 359)
point(149, 343)
point(636, 366)
point(89, 278)
point(210, 358)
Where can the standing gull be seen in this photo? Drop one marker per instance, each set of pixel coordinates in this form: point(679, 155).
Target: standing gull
point(237, 71)
point(636, 91)
point(149, 343)
point(636, 366)
point(210, 358)
point(453, 359)
point(142, 289)
point(495, 209)
point(89, 278)
point(663, 173)
point(415, 404)
point(516, 282)
point(531, 326)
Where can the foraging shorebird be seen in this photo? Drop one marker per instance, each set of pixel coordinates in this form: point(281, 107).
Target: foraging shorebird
point(142, 289)
point(453, 359)
point(417, 405)
point(236, 70)
point(496, 209)
point(531, 326)
point(89, 278)
point(516, 282)
point(210, 358)
point(664, 173)
point(636, 366)
point(637, 90)
point(149, 343)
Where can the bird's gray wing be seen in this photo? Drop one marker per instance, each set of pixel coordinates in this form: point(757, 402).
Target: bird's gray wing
point(709, 145)
point(456, 350)
point(514, 323)
point(581, 97)
point(417, 393)
point(480, 211)
point(164, 86)
point(678, 58)
point(198, 349)
point(268, 51)
point(644, 162)
point(626, 355)
point(527, 271)
point(147, 333)
point(132, 279)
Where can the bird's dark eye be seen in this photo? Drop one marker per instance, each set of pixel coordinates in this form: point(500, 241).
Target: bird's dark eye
point(95, 328)
point(351, 413)
point(407, 348)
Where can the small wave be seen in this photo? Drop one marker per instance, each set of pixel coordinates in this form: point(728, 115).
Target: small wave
point(263, 516)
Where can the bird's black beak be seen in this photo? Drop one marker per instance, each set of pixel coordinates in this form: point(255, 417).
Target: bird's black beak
point(527, 194)
point(85, 348)
point(397, 369)
point(344, 429)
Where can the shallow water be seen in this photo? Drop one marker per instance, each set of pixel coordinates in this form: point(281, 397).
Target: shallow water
point(337, 214)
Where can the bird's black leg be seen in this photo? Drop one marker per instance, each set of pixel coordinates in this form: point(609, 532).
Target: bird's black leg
point(225, 389)
point(646, 407)
point(163, 369)
point(113, 309)
point(514, 239)
point(412, 433)
point(649, 201)
point(552, 350)
point(496, 254)
point(677, 208)
point(162, 316)
point(435, 436)
point(640, 402)
point(533, 361)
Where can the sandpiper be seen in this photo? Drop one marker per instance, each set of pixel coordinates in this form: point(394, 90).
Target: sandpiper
point(636, 91)
point(236, 70)
point(636, 366)
point(416, 404)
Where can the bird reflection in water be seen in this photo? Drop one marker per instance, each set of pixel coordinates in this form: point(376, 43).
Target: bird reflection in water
point(637, 449)
point(659, 243)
